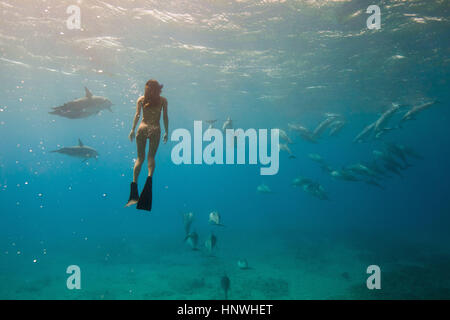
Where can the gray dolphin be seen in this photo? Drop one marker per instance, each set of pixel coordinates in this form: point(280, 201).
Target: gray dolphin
point(263, 188)
point(336, 127)
point(384, 118)
point(363, 135)
point(83, 107)
point(228, 124)
point(322, 127)
point(304, 133)
point(410, 115)
point(79, 151)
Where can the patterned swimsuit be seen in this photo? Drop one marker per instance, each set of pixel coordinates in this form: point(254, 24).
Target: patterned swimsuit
point(149, 127)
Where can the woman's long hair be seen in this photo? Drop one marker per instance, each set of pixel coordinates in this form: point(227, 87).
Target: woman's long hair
point(152, 93)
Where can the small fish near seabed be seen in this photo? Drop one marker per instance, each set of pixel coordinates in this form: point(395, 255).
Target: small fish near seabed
point(187, 221)
point(263, 188)
point(225, 284)
point(79, 151)
point(211, 243)
point(242, 264)
point(215, 219)
point(192, 240)
point(83, 107)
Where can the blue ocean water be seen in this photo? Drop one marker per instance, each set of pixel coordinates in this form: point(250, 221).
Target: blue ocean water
point(265, 64)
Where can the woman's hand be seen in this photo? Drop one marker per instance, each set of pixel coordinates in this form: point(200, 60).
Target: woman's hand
point(165, 137)
point(131, 135)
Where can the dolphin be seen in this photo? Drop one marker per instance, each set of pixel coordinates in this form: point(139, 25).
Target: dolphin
point(301, 181)
point(263, 188)
point(374, 183)
point(397, 151)
point(361, 169)
point(410, 152)
point(363, 135)
point(228, 124)
point(316, 157)
point(311, 187)
point(343, 175)
point(322, 127)
point(304, 133)
point(384, 118)
point(336, 127)
point(316, 190)
point(284, 147)
point(410, 115)
point(211, 123)
point(284, 136)
point(82, 107)
point(79, 151)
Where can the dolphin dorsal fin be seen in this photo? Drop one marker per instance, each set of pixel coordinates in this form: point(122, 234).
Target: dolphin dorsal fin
point(80, 143)
point(88, 93)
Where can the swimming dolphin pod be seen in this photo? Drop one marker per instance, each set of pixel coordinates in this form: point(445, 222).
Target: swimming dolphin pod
point(332, 121)
point(380, 127)
point(82, 107)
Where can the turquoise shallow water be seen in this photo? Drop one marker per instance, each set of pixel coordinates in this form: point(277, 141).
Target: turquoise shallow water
point(265, 64)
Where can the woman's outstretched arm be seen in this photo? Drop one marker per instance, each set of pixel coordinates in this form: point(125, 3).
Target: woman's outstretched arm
point(166, 121)
point(136, 119)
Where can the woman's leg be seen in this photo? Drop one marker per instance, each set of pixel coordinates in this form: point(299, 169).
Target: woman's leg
point(153, 147)
point(141, 142)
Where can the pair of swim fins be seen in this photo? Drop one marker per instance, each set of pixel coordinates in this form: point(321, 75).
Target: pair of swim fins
point(144, 201)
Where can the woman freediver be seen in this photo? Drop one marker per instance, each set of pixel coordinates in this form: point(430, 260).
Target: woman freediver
point(150, 105)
